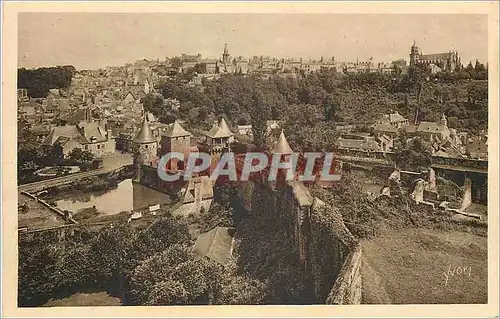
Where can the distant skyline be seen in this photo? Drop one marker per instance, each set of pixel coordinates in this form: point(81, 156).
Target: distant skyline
point(96, 40)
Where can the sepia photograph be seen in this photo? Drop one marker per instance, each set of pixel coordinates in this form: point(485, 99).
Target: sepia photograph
point(245, 158)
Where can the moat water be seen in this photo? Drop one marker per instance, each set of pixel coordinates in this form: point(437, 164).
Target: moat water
point(126, 197)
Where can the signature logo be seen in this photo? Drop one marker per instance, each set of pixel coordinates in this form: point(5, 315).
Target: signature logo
point(456, 272)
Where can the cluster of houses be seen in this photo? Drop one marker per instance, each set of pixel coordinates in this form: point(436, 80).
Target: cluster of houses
point(96, 113)
point(387, 129)
point(264, 65)
point(445, 141)
point(102, 110)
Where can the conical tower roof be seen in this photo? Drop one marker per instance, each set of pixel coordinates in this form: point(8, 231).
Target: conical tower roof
point(145, 135)
point(220, 131)
point(176, 130)
point(224, 127)
point(282, 146)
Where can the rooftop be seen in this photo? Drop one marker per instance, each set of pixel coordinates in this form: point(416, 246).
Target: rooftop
point(145, 134)
point(216, 244)
point(176, 130)
point(222, 130)
point(282, 146)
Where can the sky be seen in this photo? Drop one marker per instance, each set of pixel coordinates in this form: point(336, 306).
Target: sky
point(95, 40)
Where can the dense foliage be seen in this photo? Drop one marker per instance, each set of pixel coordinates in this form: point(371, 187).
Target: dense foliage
point(321, 100)
point(413, 154)
point(39, 81)
point(91, 260)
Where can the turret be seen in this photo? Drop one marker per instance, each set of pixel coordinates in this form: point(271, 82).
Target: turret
point(175, 139)
point(283, 152)
point(144, 148)
point(282, 147)
point(217, 141)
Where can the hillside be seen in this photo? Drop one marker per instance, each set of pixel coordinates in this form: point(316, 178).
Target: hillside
point(409, 268)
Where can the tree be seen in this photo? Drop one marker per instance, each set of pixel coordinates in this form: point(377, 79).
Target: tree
point(56, 154)
point(415, 153)
point(242, 290)
point(39, 81)
point(176, 62)
point(331, 106)
point(174, 277)
point(79, 156)
point(480, 72)
point(154, 103)
point(306, 130)
point(168, 292)
point(259, 117)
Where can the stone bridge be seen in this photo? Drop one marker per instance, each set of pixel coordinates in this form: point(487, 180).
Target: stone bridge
point(63, 180)
point(456, 169)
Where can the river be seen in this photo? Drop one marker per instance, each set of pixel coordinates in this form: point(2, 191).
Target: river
point(126, 197)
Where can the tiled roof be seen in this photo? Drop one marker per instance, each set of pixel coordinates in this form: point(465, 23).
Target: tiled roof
point(282, 146)
point(385, 127)
point(222, 130)
point(435, 56)
point(145, 134)
point(176, 130)
point(215, 244)
point(82, 133)
point(431, 127)
point(396, 117)
point(367, 144)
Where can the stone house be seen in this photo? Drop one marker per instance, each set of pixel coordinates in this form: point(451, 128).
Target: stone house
point(86, 136)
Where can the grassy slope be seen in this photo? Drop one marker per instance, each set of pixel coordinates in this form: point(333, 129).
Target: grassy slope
point(407, 268)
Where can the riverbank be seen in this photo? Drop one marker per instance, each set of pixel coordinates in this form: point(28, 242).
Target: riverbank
point(120, 195)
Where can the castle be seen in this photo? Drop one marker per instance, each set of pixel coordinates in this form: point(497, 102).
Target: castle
point(195, 191)
point(147, 152)
point(449, 61)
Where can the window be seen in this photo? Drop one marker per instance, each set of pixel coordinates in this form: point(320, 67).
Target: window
point(86, 147)
point(145, 146)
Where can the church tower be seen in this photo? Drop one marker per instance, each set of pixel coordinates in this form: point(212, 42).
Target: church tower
point(226, 58)
point(414, 54)
point(145, 148)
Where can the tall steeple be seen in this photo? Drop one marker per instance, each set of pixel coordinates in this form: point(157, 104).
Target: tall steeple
point(225, 55)
point(414, 54)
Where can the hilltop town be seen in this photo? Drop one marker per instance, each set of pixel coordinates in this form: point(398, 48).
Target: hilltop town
point(410, 140)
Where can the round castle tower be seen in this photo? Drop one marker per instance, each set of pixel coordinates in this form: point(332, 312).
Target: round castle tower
point(145, 148)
